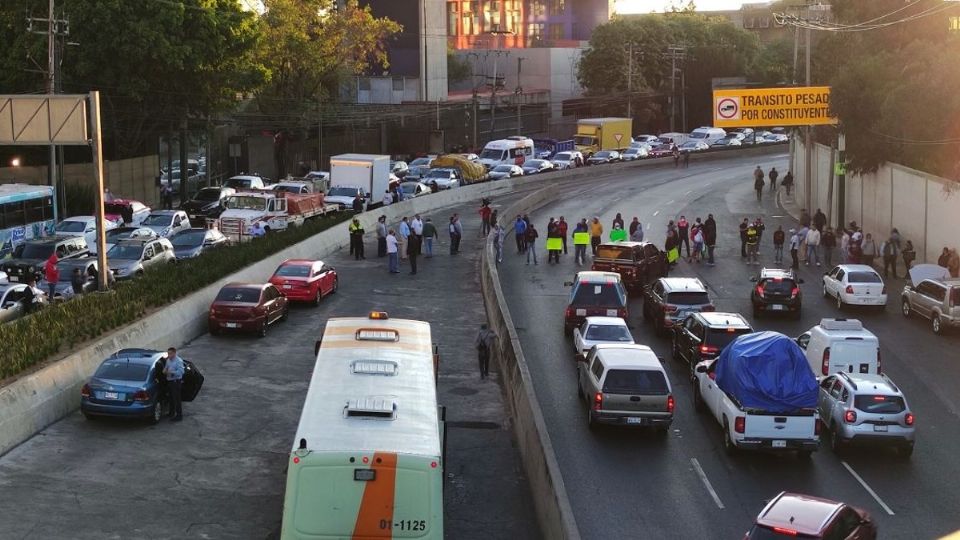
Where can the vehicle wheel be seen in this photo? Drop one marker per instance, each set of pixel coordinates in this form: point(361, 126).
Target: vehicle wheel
point(567, 331)
point(836, 442)
point(591, 424)
point(263, 328)
point(756, 312)
point(579, 389)
point(336, 285)
point(646, 315)
point(661, 432)
point(214, 331)
point(905, 451)
point(825, 293)
point(728, 444)
point(840, 303)
point(285, 315)
point(905, 308)
point(797, 315)
point(698, 404)
point(318, 298)
point(935, 325)
point(156, 413)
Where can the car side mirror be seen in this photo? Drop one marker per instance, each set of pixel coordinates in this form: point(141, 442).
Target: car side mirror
point(568, 284)
point(701, 369)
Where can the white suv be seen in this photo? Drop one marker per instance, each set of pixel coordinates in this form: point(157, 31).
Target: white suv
point(866, 409)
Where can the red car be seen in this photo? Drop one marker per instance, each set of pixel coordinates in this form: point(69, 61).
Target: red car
point(248, 307)
point(305, 280)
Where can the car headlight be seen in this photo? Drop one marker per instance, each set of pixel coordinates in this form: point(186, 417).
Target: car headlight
point(120, 271)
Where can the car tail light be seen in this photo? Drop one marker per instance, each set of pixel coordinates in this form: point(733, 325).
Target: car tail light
point(622, 313)
point(671, 404)
point(709, 349)
point(669, 308)
point(818, 426)
point(760, 291)
point(568, 312)
point(908, 419)
point(597, 401)
point(849, 289)
point(141, 395)
point(85, 391)
point(794, 292)
point(784, 531)
point(825, 365)
point(740, 424)
point(850, 416)
point(708, 307)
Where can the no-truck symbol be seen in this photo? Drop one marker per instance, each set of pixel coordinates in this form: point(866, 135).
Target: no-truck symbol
point(728, 108)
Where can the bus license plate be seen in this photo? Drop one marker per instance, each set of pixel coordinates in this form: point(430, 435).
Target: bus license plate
point(779, 444)
point(631, 420)
point(880, 428)
point(776, 307)
point(111, 395)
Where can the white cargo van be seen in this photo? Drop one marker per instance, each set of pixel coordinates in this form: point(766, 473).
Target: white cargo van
point(510, 151)
point(840, 345)
point(707, 134)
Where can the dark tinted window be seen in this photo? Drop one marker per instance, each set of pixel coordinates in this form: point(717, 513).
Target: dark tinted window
point(39, 209)
point(778, 286)
point(230, 294)
point(597, 295)
point(759, 532)
point(615, 252)
point(37, 251)
point(863, 277)
point(635, 381)
point(955, 296)
point(208, 194)
point(293, 270)
point(721, 337)
point(879, 404)
point(189, 238)
point(122, 370)
point(688, 298)
point(650, 250)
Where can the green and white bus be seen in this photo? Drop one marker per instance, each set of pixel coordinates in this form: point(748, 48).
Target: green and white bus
point(367, 460)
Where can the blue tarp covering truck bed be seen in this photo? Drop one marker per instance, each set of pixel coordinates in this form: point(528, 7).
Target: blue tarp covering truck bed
point(767, 371)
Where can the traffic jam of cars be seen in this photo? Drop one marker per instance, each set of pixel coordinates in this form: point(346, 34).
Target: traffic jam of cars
point(767, 392)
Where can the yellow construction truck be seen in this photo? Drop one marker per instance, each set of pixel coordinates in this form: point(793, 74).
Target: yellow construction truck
point(596, 134)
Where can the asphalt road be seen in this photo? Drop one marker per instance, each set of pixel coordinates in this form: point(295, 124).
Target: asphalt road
point(629, 484)
point(220, 473)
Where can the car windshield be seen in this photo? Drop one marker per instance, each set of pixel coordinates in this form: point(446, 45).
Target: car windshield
point(408, 189)
point(114, 208)
point(125, 252)
point(116, 235)
point(189, 238)
point(122, 370)
point(778, 286)
point(439, 173)
point(489, 153)
point(864, 277)
point(562, 156)
point(583, 141)
point(614, 252)
point(602, 154)
point(534, 163)
point(608, 332)
point(208, 194)
point(879, 404)
point(293, 270)
point(698, 135)
point(597, 295)
point(239, 294)
point(721, 337)
point(503, 168)
point(690, 144)
point(71, 226)
point(36, 251)
point(688, 298)
point(287, 189)
point(246, 203)
point(421, 161)
point(632, 151)
point(635, 381)
point(158, 220)
point(238, 183)
point(343, 192)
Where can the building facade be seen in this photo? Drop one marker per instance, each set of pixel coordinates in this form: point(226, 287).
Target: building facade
point(491, 24)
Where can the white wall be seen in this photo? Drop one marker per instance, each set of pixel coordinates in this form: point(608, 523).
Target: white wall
point(435, 28)
point(923, 207)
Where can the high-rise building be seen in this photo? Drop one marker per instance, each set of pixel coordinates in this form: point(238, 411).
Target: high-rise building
point(481, 24)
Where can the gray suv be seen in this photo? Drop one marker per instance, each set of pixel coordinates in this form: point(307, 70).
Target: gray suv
point(131, 258)
point(934, 299)
point(867, 409)
point(669, 301)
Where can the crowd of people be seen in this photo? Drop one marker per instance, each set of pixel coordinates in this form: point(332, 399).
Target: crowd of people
point(406, 242)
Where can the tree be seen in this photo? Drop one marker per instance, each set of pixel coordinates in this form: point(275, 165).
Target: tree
point(458, 69)
point(310, 46)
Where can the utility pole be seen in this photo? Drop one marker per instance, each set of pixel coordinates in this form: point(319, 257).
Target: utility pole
point(319, 136)
point(519, 94)
point(476, 111)
point(630, 81)
point(808, 150)
point(676, 53)
point(841, 178)
point(496, 82)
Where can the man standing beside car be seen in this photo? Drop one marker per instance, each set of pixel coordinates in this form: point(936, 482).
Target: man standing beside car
point(173, 370)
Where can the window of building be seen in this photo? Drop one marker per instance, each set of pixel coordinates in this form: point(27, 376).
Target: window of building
point(398, 84)
point(538, 8)
point(535, 31)
point(954, 24)
point(748, 22)
point(764, 22)
point(494, 5)
point(452, 16)
point(557, 7)
point(556, 30)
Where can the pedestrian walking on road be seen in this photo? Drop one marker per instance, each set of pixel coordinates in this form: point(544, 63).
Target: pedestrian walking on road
point(773, 179)
point(683, 234)
point(819, 220)
point(416, 225)
point(870, 251)
point(686, 159)
point(676, 156)
point(580, 249)
point(778, 239)
point(456, 234)
point(829, 243)
point(794, 246)
point(618, 220)
point(393, 247)
point(485, 212)
point(77, 281)
point(531, 239)
point(744, 225)
point(562, 229)
point(804, 218)
point(636, 231)
point(671, 246)
point(802, 234)
point(357, 204)
point(166, 195)
point(894, 241)
point(813, 246)
point(909, 254)
point(173, 371)
point(356, 237)
point(485, 343)
point(498, 234)
point(520, 229)
point(382, 236)
point(52, 275)
point(404, 234)
point(844, 245)
point(429, 235)
point(753, 244)
point(788, 182)
point(758, 182)
point(760, 228)
point(596, 235)
point(710, 237)
point(413, 251)
point(553, 231)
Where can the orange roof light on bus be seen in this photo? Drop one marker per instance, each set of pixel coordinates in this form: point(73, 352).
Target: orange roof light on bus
point(379, 315)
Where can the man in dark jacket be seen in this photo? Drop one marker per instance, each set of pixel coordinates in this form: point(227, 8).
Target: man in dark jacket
point(357, 204)
point(819, 220)
point(743, 238)
point(773, 179)
point(413, 250)
point(828, 242)
point(758, 182)
point(710, 237)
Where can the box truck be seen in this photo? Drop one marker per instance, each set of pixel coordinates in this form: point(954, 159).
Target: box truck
point(596, 134)
point(368, 174)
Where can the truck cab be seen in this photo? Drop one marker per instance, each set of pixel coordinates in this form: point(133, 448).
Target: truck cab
point(245, 208)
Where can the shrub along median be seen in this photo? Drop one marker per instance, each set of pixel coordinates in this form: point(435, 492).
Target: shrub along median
point(60, 327)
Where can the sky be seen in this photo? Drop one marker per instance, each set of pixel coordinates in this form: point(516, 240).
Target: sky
point(646, 6)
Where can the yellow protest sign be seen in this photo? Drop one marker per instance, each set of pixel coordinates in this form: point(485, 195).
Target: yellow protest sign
point(750, 107)
point(581, 239)
point(554, 244)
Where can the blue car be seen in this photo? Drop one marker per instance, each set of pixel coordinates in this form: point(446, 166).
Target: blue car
point(130, 384)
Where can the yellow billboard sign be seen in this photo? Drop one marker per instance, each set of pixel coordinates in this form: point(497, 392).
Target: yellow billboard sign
point(750, 107)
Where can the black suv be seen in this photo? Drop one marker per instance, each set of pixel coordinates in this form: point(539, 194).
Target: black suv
point(30, 256)
point(669, 301)
point(207, 203)
point(776, 290)
point(702, 336)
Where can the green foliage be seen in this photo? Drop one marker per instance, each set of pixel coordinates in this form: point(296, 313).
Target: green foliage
point(458, 69)
point(894, 88)
point(308, 48)
point(774, 64)
point(61, 327)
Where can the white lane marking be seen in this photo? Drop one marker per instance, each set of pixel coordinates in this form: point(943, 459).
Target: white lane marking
point(655, 213)
point(689, 191)
point(867, 487)
point(706, 482)
point(670, 202)
point(775, 217)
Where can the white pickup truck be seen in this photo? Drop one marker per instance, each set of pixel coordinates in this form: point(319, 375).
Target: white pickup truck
point(760, 419)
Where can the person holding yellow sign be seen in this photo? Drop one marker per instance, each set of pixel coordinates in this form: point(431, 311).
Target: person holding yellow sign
point(581, 239)
point(554, 242)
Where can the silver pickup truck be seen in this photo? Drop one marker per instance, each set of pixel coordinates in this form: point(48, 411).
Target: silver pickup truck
point(935, 299)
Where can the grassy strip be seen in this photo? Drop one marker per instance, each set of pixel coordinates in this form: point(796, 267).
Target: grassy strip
point(60, 327)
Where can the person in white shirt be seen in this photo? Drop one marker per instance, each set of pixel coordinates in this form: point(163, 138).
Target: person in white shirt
point(387, 198)
point(393, 264)
point(417, 225)
point(794, 246)
point(257, 230)
point(813, 246)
